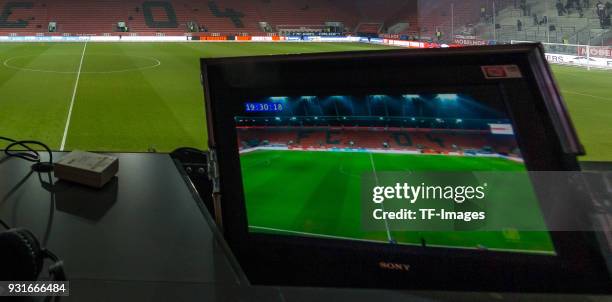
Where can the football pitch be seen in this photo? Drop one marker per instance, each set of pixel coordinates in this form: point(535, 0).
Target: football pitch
point(115, 96)
point(317, 194)
point(147, 96)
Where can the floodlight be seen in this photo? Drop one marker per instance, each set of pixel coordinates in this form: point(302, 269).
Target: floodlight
point(411, 97)
point(447, 97)
point(279, 98)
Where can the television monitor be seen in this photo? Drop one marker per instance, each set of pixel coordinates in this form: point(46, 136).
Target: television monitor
point(294, 137)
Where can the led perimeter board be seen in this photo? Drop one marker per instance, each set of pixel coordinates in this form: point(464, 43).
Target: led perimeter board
point(292, 135)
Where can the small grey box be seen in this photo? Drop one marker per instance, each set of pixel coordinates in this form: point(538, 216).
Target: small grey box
point(90, 169)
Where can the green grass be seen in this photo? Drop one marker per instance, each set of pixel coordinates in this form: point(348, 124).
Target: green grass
point(162, 107)
point(588, 95)
point(317, 194)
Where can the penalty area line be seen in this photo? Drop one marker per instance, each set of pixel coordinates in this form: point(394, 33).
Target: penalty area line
point(74, 92)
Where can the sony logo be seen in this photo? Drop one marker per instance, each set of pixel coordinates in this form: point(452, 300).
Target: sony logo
point(394, 266)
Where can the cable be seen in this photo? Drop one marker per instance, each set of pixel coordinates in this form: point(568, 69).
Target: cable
point(29, 154)
point(190, 149)
point(186, 151)
point(32, 156)
point(56, 270)
point(4, 224)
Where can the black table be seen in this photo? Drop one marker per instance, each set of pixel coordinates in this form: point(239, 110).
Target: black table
point(147, 237)
point(144, 226)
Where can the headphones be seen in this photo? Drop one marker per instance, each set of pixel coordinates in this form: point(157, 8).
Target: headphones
point(22, 257)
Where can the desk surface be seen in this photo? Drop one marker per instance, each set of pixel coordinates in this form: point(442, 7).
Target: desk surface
point(143, 226)
point(144, 238)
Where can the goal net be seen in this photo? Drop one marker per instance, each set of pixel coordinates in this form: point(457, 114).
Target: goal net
point(577, 55)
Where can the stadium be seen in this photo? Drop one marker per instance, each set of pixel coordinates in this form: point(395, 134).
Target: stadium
point(276, 174)
point(145, 90)
point(336, 139)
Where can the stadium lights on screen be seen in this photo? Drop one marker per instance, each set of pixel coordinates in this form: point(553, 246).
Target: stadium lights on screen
point(410, 97)
point(279, 98)
point(447, 97)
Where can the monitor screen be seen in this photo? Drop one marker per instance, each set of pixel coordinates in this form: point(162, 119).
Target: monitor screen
point(302, 158)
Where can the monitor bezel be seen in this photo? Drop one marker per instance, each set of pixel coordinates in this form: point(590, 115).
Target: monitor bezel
point(544, 133)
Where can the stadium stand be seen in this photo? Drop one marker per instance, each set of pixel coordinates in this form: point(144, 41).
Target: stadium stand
point(453, 17)
point(304, 13)
point(422, 20)
point(430, 141)
point(79, 18)
point(22, 16)
point(549, 21)
point(214, 16)
point(224, 16)
point(375, 16)
point(368, 29)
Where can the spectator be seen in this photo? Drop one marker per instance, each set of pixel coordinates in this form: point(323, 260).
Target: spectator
point(535, 19)
point(560, 8)
point(568, 6)
point(519, 25)
point(483, 13)
point(607, 13)
point(600, 8)
point(602, 12)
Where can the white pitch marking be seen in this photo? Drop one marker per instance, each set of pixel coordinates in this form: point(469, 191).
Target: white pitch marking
point(587, 95)
point(403, 243)
point(373, 168)
point(157, 63)
point(382, 206)
point(74, 92)
point(310, 234)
